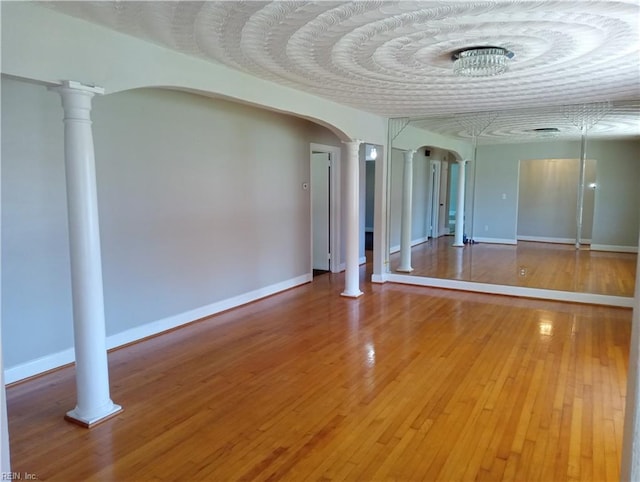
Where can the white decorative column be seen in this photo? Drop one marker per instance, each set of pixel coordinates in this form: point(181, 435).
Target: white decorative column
point(92, 372)
point(584, 117)
point(405, 219)
point(581, 186)
point(352, 218)
point(458, 240)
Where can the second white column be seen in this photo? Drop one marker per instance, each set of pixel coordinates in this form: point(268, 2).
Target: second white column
point(406, 214)
point(352, 221)
point(92, 372)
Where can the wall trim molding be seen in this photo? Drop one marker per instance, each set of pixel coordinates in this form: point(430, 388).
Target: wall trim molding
point(613, 248)
point(496, 240)
point(519, 291)
point(544, 239)
point(65, 357)
point(414, 242)
point(379, 278)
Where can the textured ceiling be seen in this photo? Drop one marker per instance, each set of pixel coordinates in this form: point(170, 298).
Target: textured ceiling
point(394, 58)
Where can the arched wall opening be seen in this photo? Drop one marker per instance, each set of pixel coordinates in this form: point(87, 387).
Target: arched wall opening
point(202, 208)
point(431, 194)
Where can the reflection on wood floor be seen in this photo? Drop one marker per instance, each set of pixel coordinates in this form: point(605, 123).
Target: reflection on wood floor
point(527, 264)
point(404, 383)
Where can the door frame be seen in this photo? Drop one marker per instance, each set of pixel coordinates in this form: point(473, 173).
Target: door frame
point(334, 205)
point(443, 201)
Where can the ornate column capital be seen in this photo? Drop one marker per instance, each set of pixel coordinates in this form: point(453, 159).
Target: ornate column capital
point(76, 99)
point(74, 85)
point(408, 155)
point(353, 146)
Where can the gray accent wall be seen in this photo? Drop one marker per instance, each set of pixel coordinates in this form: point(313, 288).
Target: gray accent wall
point(616, 218)
point(547, 202)
point(36, 276)
point(200, 200)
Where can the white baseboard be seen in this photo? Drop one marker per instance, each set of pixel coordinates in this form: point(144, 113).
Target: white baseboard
point(56, 360)
point(616, 249)
point(495, 240)
point(544, 239)
point(379, 278)
point(588, 298)
point(39, 365)
point(414, 242)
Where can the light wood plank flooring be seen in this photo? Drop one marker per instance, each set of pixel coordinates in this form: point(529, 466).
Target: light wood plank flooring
point(403, 383)
point(527, 264)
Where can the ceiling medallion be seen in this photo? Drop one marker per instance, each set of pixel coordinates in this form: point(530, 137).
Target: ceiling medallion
point(481, 61)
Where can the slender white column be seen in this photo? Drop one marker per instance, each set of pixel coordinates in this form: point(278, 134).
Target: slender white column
point(581, 182)
point(352, 221)
point(405, 219)
point(92, 372)
point(458, 241)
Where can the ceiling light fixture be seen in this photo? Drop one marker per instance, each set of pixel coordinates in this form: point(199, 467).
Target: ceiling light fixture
point(481, 61)
point(546, 131)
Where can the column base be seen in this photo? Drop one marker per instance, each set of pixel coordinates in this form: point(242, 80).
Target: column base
point(353, 294)
point(73, 416)
point(405, 270)
point(458, 245)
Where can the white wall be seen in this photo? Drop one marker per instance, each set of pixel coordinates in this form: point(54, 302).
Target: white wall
point(200, 201)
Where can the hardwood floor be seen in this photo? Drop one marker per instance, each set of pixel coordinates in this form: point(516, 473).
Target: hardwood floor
point(528, 264)
point(403, 383)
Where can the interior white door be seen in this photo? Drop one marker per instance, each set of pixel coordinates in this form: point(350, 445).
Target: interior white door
point(434, 223)
point(320, 201)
